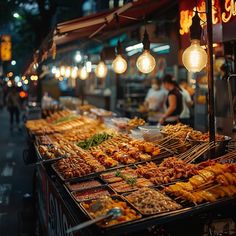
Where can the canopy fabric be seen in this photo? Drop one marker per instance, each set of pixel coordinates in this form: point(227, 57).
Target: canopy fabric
point(95, 24)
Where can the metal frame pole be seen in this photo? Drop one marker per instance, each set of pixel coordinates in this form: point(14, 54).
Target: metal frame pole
point(210, 72)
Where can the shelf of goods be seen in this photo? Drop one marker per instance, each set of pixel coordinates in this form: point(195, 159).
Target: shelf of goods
point(91, 169)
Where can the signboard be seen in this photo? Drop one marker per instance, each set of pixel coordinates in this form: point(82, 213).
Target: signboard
point(5, 48)
point(223, 19)
point(222, 11)
point(228, 10)
point(187, 11)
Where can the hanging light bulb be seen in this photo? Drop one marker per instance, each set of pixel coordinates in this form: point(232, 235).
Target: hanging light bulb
point(83, 74)
point(57, 74)
point(62, 70)
point(88, 65)
point(67, 72)
point(119, 65)
point(195, 57)
point(101, 69)
point(146, 62)
point(74, 72)
point(54, 70)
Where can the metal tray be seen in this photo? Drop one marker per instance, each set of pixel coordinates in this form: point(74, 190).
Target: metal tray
point(163, 218)
point(43, 160)
point(161, 213)
point(135, 187)
point(62, 179)
point(160, 157)
point(105, 187)
point(147, 221)
point(116, 197)
point(67, 185)
point(105, 180)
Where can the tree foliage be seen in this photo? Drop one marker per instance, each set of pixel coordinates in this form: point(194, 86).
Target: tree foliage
point(30, 28)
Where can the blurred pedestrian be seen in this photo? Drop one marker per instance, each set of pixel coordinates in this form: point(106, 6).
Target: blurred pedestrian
point(187, 103)
point(155, 101)
point(174, 102)
point(13, 106)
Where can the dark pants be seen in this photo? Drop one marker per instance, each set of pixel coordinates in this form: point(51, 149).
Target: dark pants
point(14, 112)
point(185, 121)
point(174, 122)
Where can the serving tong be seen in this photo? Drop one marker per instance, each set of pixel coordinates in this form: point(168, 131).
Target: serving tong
point(110, 215)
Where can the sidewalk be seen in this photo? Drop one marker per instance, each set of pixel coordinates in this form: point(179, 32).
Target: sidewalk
point(16, 179)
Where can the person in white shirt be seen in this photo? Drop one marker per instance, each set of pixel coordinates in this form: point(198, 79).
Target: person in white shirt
point(187, 103)
point(155, 101)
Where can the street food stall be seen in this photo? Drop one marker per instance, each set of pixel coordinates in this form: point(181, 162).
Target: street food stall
point(93, 161)
point(86, 166)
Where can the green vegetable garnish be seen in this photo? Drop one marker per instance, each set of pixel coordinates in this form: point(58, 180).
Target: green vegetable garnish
point(118, 174)
point(131, 181)
point(95, 140)
point(65, 118)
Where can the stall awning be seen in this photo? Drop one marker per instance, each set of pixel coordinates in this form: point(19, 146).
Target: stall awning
point(96, 24)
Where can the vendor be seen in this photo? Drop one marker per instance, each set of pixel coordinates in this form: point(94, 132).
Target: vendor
point(155, 101)
point(174, 101)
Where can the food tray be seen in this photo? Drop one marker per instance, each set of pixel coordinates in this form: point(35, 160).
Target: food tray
point(99, 180)
point(173, 181)
point(158, 219)
point(164, 154)
point(163, 218)
point(131, 189)
point(156, 214)
point(43, 160)
point(110, 172)
point(94, 174)
point(115, 197)
point(134, 167)
point(110, 191)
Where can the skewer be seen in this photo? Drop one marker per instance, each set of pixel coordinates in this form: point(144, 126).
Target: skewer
point(201, 150)
point(212, 187)
point(198, 151)
point(231, 155)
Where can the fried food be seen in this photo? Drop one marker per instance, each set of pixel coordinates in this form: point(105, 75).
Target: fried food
point(101, 206)
point(149, 201)
point(211, 183)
